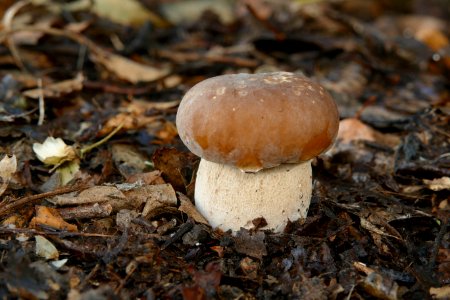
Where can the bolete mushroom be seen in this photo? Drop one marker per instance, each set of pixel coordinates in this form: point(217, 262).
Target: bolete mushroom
point(256, 135)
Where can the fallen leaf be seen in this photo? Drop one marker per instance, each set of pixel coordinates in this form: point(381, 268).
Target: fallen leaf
point(251, 245)
point(130, 12)
point(352, 129)
point(128, 69)
point(57, 89)
point(191, 10)
point(47, 216)
point(382, 287)
point(8, 167)
point(153, 177)
point(249, 267)
point(438, 184)
point(128, 159)
point(156, 196)
point(45, 249)
point(135, 116)
point(440, 293)
point(167, 133)
point(188, 208)
point(91, 195)
point(175, 166)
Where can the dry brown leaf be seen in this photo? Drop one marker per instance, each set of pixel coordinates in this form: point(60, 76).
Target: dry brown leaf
point(153, 177)
point(352, 129)
point(438, 184)
point(47, 216)
point(57, 89)
point(129, 12)
point(134, 116)
point(127, 121)
point(8, 167)
point(188, 208)
point(191, 10)
point(128, 69)
point(440, 293)
point(167, 133)
point(251, 245)
point(26, 37)
point(175, 166)
point(128, 159)
point(154, 197)
point(78, 26)
point(91, 195)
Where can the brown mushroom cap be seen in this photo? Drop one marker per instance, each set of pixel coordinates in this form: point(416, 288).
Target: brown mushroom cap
point(256, 121)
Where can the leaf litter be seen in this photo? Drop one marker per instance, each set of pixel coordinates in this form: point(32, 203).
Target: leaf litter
point(122, 224)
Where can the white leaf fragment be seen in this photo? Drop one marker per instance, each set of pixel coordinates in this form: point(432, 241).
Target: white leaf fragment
point(53, 151)
point(45, 249)
point(8, 167)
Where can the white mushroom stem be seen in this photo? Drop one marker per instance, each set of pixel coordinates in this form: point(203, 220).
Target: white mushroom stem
point(230, 199)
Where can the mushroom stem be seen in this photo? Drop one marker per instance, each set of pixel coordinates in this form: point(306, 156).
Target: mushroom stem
point(230, 199)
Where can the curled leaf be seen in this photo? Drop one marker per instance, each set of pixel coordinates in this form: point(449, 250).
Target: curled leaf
point(8, 167)
point(53, 151)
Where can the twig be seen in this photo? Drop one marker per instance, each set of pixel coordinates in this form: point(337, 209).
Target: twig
point(81, 57)
point(89, 276)
point(7, 24)
point(95, 210)
point(437, 242)
point(53, 233)
point(180, 232)
point(41, 103)
point(30, 199)
point(102, 141)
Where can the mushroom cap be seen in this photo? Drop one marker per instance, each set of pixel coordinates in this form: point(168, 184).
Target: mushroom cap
point(256, 121)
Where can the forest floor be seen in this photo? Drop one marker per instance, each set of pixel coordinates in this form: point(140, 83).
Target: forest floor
point(97, 189)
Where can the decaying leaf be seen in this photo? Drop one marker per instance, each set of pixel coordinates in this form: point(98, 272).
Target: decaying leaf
point(251, 245)
point(57, 89)
point(352, 129)
point(135, 116)
point(438, 184)
point(153, 177)
point(128, 159)
point(130, 197)
point(53, 151)
point(157, 196)
point(190, 10)
point(47, 216)
point(8, 167)
point(175, 166)
point(379, 286)
point(128, 69)
point(130, 12)
point(188, 208)
point(45, 249)
point(94, 194)
point(441, 293)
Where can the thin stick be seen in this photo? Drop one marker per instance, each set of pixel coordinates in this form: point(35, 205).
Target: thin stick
point(41, 103)
point(30, 199)
point(7, 24)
